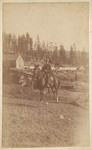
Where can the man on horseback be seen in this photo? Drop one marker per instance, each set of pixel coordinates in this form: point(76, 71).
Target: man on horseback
point(45, 79)
point(46, 69)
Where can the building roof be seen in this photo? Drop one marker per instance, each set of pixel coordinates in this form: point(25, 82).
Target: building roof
point(12, 57)
point(7, 57)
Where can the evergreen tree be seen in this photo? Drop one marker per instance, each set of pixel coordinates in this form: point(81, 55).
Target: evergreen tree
point(72, 56)
point(14, 43)
point(62, 55)
point(55, 54)
point(43, 46)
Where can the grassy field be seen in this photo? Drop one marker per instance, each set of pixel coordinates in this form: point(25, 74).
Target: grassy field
point(27, 122)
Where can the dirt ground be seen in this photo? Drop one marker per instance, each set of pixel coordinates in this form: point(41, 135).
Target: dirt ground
point(27, 122)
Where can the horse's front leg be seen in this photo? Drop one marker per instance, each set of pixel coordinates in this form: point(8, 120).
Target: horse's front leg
point(32, 85)
point(57, 98)
point(48, 90)
point(41, 95)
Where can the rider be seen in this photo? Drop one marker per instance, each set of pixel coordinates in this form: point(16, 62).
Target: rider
point(46, 67)
point(47, 70)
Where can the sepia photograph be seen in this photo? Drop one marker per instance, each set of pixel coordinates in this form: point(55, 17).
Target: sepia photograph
point(45, 74)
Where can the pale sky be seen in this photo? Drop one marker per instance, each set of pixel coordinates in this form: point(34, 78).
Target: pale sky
point(62, 23)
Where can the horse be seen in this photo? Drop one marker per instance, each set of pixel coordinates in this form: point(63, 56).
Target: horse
point(44, 80)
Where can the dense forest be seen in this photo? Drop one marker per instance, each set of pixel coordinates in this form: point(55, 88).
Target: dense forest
point(57, 55)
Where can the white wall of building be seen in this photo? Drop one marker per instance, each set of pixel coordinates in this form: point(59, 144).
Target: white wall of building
point(19, 62)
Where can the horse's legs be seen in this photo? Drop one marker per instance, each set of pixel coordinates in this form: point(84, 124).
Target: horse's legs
point(54, 91)
point(48, 90)
point(57, 97)
point(41, 95)
point(56, 94)
point(32, 85)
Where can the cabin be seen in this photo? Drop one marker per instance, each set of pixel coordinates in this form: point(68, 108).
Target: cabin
point(14, 61)
point(19, 62)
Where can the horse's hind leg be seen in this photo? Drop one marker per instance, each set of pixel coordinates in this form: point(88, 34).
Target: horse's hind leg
point(54, 90)
point(56, 94)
